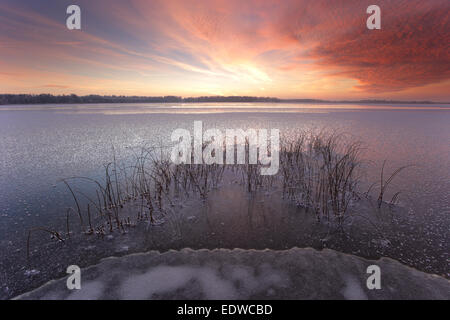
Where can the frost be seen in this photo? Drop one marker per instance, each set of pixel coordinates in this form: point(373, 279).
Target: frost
point(383, 243)
point(89, 291)
point(245, 274)
point(353, 289)
point(33, 272)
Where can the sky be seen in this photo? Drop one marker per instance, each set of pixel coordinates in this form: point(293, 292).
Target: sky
point(277, 48)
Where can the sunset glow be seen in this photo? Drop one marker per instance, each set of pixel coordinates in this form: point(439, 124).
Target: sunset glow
point(286, 49)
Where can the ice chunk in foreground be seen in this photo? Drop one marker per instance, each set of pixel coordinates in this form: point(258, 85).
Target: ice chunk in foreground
point(245, 274)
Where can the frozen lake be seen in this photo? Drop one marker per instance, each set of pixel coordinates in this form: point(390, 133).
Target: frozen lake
point(42, 144)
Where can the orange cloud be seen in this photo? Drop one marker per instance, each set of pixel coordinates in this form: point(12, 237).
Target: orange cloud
point(296, 48)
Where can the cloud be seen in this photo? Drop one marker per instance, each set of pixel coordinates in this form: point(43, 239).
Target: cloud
point(411, 50)
point(56, 86)
point(290, 47)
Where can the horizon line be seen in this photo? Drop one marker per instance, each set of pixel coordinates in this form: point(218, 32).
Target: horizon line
point(90, 98)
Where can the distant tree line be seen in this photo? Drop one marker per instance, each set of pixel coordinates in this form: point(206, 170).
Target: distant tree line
point(73, 98)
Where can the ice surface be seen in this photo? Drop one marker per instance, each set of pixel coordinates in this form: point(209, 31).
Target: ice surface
point(44, 144)
point(245, 274)
point(353, 289)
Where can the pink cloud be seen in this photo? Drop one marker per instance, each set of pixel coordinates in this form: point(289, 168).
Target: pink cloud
point(239, 44)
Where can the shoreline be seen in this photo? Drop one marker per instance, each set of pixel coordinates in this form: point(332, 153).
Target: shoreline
point(46, 98)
